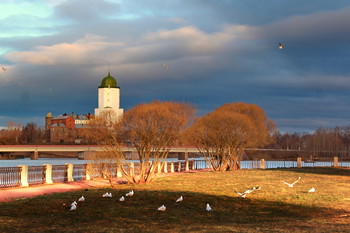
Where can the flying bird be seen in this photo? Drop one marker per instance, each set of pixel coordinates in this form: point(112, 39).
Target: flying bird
point(292, 184)
point(247, 191)
point(208, 208)
point(280, 46)
point(162, 208)
point(82, 198)
point(240, 194)
point(165, 66)
point(312, 190)
point(180, 199)
point(122, 198)
point(3, 68)
point(130, 194)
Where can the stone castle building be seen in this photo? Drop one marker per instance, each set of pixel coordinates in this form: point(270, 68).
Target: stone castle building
point(68, 128)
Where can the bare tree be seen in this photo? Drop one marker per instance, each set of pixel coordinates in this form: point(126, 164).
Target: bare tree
point(31, 133)
point(105, 131)
point(11, 134)
point(221, 136)
point(153, 129)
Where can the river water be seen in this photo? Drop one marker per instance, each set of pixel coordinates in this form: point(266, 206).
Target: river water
point(244, 164)
point(52, 161)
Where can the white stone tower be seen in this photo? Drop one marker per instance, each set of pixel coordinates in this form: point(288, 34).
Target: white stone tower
point(109, 97)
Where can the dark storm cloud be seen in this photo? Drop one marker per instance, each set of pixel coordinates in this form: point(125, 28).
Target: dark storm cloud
point(217, 52)
point(90, 11)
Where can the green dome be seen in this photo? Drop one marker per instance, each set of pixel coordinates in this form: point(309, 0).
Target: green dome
point(108, 82)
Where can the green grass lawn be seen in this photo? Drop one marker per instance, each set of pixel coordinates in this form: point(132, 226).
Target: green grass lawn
point(274, 208)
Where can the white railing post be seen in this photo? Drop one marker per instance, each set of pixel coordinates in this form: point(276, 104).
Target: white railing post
point(262, 164)
point(187, 166)
point(48, 173)
point(119, 171)
point(299, 163)
point(131, 168)
point(172, 167)
point(69, 174)
point(179, 167)
point(165, 169)
point(335, 161)
point(88, 170)
point(24, 175)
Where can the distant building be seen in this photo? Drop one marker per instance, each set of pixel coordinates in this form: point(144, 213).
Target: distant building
point(68, 128)
point(109, 97)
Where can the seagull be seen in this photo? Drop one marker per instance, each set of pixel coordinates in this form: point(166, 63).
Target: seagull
point(162, 208)
point(280, 46)
point(240, 194)
point(292, 184)
point(180, 199)
point(312, 190)
point(3, 68)
point(107, 195)
point(247, 191)
point(130, 194)
point(165, 66)
point(208, 208)
point(73, 207)
point(82, 198)
point(122, 198)
point(74, 203)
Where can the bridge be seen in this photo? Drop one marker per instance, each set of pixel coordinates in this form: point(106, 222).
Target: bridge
point(83, 151)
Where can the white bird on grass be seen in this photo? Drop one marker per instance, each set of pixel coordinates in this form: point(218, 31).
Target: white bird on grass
point(130, 194)
point(162, 208)
point(292, 184)
point(312, 190)
point(180, 199)
point(82, 198)
point(208, 208)
point(122, 198)
point(107, 195)
point(74, 203)
point(73, 207)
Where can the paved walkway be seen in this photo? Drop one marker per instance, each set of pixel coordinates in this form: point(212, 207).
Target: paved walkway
point(10, 194)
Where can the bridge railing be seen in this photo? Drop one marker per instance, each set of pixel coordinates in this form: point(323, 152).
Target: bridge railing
point(36, 175)
point(33, 175)
point(10, 176)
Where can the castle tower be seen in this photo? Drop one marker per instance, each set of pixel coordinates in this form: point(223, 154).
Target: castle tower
point(48, 119)
point(109, 97)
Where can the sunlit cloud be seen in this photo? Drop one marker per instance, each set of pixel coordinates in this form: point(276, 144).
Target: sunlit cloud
point(64, 53)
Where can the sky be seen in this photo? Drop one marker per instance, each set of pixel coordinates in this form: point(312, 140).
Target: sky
point(56, 52)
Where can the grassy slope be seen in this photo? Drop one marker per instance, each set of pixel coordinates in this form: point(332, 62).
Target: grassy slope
point(274, 208)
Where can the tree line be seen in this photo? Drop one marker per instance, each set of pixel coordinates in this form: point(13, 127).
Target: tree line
point(154, 128)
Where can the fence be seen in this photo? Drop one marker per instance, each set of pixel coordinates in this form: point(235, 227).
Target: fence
point(10, 176)
point(48, 174)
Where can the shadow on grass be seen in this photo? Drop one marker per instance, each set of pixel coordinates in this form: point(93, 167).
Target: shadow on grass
point(50, 213)
point(318, 170)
